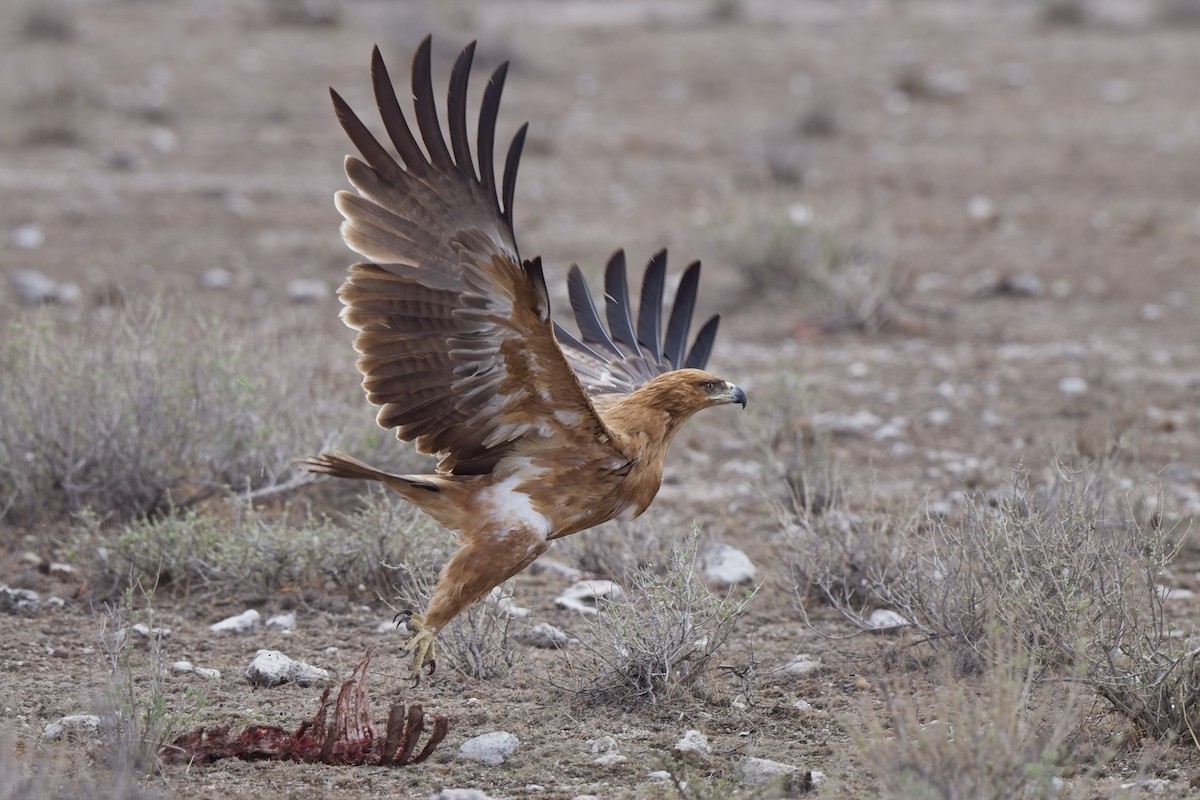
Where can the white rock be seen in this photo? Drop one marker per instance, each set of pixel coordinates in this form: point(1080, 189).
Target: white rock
point(1173, 593)
point(307, 290)
point(241, 623)
point(388, 627)
point(757, 771)
point(981, 209)
point(884, 619)
point(272, 668)
point(29, 237)
point(35, 289)
point(585, 596)
point(1072, 386)
point(545, 636)
point(659, 775)
point(19, 601)
point(726, 565)
point(216, 278)
point(208, 673)
point(693, 748)
point(183, 666)
point(555, 567)
point(283, 622)
point(504, 602)
point(74, 724)
point(604, 744)
point(490, 748)
point(856, 424)
point(460, 794)
point(801, 664)
point(802, 705)
point(609, 759)
point(1150, 786)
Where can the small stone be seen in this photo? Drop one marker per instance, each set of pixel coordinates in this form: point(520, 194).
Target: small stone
point(883, 619)
point(207, 673)
point(504, 603)
point(1020, 284)
point(19, 601)
point(492, 748)
point(726, 565)
point(35, 289)
point(609, 759)
point(240, 623)
point(387, 626)
point(545, 636)
point(1173, 593)
point(29, 237)
point(1072, 386)
point(604, 744)
point(757, 771)
point(72, 725)
point(183, 666)
point(307, 290)
point(272, 668)
point(693, 748)
point(802, 664)
point(460, 794)
point(982, 210)
point(802, 705)
point(61, 571)
point(586, 596)
point(555, 567)
point(1151, 312)
point(216, 278)
point(659, 775)
point(283, 622)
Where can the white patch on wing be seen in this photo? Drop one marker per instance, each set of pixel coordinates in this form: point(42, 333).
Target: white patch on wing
point(513, 509)
point(568, 418)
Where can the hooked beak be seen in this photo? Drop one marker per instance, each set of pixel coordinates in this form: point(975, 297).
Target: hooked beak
point(736, 395)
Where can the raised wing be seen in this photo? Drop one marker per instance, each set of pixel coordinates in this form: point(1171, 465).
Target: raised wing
point(455, 338)
point(620, 358)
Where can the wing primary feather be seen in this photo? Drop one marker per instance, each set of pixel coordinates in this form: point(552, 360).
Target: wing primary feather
point(697, 357)
point(488, 113)
point(586, 318)
point(426, 107)
point(650, 307)
point(533, 269)
point(393, 118)
point(564, 336)
point(510, 172)
point(456, 109)
point(616, 303)
point(375, 154)
point(681, 315)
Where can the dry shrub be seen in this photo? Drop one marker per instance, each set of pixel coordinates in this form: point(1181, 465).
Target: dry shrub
point(1001, 736)
point(144, 411)
point(658, 640)
point(51, 771)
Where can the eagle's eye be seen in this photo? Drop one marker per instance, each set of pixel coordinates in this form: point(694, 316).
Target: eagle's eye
point(711, 386)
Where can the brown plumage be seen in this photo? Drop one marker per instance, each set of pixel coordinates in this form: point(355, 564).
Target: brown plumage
point(539, 433)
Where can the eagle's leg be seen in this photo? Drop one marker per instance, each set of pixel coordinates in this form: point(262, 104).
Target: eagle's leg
point(483, 562)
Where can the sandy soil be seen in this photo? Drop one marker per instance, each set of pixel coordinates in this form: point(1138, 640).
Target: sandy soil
point(970, 144)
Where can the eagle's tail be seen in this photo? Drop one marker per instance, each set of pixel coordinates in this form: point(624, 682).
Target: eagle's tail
point(340, 465)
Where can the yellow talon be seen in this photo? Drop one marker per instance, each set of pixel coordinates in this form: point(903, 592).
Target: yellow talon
point(421, 645)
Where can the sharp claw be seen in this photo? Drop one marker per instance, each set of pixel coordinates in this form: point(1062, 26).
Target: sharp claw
point(432, 666)
point(402, 617)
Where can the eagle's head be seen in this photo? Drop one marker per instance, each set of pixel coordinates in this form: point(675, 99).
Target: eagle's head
point(683, 392)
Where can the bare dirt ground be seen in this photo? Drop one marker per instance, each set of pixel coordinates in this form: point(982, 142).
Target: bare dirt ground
point(1036, 182)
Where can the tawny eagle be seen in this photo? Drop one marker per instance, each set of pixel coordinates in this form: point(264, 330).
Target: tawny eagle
point(539, 433)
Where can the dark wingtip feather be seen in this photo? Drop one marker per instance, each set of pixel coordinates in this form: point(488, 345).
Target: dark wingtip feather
point(697, 357)
point(426, 106)
point(586, 317)
point(370, 148)
point(681, 315)
point(650, 305)
point(393, 118)
point(456, 109)
point(510, 172)
point(489, 111)
point(616, 303)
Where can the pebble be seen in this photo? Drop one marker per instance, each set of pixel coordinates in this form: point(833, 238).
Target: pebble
point(504, 603)
point(555, 567)
point(185, 667)
point(609, 759)
point(144, 631)
point(492, 748)
point(216, 279)
point(282, 622)
point(801, 664)
point(885, 620)
point(856, 424)
point(29, 237)
point(460, 794)
point(272, 668)
point(585, 596)
point(982, 210)
point(802, 705)
point(307, 290)
point(757, 771)
point(73, 724)
point(35, 289)
point(726, 565)
point(545, 636)
point(240, 623)
point(1072, 386)
point(19, 601)
point(693, 748)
